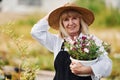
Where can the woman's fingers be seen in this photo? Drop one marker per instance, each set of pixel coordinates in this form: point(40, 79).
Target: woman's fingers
point(75, 67)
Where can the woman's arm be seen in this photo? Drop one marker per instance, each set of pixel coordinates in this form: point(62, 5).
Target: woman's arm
point(103, 67)
point(42, 35)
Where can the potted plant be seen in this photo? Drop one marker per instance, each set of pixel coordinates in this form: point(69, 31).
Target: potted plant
point(84, 49)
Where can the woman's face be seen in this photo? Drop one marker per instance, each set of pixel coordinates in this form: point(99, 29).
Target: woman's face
point(72, 25)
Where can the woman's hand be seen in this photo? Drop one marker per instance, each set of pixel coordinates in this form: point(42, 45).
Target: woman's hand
point(78, 68)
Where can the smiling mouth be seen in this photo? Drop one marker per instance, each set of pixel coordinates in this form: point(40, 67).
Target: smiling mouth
point(72, 28)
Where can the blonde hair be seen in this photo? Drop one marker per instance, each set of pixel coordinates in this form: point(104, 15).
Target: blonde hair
point(68, 13)
point(84, 27)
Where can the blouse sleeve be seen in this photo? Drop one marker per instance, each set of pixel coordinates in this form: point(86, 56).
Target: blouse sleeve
point(103, 67)
point(41, 34)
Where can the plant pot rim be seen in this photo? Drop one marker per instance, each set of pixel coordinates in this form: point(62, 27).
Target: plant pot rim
point(85, 61)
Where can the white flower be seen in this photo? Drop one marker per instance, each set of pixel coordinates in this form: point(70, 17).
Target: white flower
point(88, 44)
point(68, 39)
point(86, 50)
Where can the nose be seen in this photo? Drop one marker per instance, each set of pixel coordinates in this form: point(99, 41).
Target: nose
point(70, 22)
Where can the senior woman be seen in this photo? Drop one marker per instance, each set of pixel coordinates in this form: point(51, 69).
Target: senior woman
point(71, 21)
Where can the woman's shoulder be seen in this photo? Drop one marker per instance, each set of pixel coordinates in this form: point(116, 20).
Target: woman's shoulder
point(97, 39)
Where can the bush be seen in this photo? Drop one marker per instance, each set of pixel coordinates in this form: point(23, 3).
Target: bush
point(113, 19)
point(95, 5)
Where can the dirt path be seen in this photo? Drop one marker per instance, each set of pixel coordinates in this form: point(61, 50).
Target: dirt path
point(44, 75)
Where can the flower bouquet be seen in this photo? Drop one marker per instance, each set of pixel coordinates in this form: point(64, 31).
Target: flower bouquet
point(84, 49)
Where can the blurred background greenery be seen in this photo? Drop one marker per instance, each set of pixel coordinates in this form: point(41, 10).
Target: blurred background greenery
point(19, 49)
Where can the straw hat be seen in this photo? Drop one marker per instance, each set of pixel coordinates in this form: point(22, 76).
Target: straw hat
point(54, 16)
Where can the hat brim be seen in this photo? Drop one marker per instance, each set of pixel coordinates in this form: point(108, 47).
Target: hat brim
point(54, 16)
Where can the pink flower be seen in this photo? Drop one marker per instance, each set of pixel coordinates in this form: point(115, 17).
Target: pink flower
point(75, 42)
point(74, 49)
point(83, 45)
point(84, 37)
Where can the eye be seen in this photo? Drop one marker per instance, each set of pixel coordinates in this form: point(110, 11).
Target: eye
point(74, 18)
point(66, 19)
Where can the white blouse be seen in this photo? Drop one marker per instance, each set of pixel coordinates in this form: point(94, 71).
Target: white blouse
point(102, 68)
